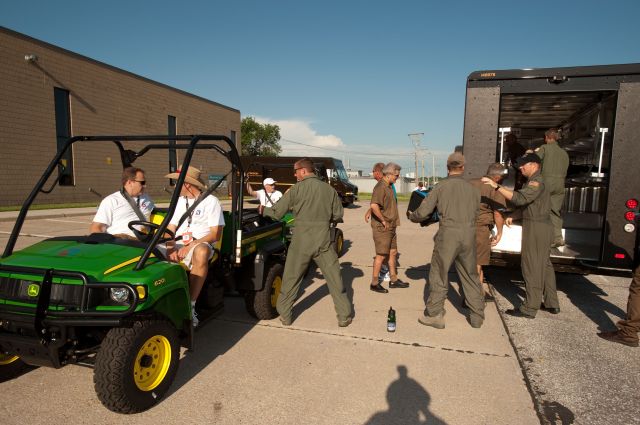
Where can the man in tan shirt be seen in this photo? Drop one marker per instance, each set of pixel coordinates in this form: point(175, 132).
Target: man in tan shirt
point(491, 202)
point(384, 220)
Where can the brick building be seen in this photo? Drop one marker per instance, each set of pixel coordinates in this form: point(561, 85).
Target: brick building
point(49, 94)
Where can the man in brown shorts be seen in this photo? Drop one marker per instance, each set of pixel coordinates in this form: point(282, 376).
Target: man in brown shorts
point(491, 202)
point(384, 220)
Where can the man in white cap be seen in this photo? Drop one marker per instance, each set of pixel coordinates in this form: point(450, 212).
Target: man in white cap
point(267, 196)
point(200, 229)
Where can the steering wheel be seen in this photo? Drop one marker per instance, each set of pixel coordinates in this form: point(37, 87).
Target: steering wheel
point(145, 237)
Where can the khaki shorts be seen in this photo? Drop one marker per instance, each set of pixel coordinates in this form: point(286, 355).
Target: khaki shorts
point(483, 245)
point(186, 260)
point(384, 240)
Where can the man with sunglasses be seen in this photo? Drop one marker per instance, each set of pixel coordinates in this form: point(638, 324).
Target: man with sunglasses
point(128, 204)
point(315, 204)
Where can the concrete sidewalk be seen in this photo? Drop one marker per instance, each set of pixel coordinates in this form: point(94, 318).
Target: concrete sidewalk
point(247, 371)
point(48, 213)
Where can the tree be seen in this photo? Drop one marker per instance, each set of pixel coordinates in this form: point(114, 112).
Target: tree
point(260, 139)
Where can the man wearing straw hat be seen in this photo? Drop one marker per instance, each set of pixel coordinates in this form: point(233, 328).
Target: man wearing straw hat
point(198, 232)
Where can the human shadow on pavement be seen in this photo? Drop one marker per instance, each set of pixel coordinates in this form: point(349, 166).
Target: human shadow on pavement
point(211, 340)
point(348, 272)
point(453, 295)
point(408, 404)
point(345, 246)
point(579, 290)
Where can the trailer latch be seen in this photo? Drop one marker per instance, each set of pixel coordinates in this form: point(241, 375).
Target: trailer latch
point(558, 79)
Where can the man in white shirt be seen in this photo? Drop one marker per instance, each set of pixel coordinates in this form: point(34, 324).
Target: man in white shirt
point(118, 209)
point(199, 231)
point(267, 196)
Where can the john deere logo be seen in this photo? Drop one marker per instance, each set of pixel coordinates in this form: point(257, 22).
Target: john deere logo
point(33, 290)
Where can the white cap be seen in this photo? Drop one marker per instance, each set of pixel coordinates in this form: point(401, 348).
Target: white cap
point(268, 180)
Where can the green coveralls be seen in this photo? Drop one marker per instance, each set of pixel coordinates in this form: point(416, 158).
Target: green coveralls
point(457, 202)
point(314, 204)
point(537, 232)
point(555, 162)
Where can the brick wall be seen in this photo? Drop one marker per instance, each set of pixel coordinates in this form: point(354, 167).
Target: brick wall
point(104, 101)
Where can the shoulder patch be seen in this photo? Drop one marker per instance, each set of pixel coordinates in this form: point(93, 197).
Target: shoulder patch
point(534, 184)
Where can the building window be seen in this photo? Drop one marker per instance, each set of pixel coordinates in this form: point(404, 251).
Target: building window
point(63, 132)
point(173, 157)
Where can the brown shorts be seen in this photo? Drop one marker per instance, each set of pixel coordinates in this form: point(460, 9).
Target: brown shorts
point(384, 240)
point(483, 245)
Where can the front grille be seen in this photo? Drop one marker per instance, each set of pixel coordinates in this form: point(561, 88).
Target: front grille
point(62, 295)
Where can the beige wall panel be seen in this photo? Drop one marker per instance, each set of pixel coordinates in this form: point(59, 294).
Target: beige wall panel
point(104, 101)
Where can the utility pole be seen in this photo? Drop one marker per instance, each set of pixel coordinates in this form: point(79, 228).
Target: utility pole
point(415, 140)
point(433, 169)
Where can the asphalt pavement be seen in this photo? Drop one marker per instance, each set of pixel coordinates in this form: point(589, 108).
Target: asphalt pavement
point(552, 369)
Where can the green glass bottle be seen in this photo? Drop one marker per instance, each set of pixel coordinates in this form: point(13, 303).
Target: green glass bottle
point(391, 320)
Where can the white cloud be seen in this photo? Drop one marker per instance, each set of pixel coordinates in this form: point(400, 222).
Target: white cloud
point(301, 131)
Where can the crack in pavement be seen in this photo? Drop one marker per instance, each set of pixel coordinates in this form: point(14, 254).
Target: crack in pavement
point(365, 338)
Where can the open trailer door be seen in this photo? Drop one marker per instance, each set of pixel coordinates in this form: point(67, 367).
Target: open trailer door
point(480, 128)
point(619, 244)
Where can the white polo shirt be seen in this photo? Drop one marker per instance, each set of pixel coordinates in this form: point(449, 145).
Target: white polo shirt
point(264, 201)
point(116, 213)
point(207, 214)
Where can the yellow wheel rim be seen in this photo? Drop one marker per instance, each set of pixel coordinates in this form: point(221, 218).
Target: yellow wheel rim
point(275, 290)
point(6, 359)
point(339, 244)
point(152, 363)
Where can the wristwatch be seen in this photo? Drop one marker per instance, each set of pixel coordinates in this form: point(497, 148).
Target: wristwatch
point(497, 187)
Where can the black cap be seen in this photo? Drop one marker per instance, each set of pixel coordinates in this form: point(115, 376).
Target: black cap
point(526, 158)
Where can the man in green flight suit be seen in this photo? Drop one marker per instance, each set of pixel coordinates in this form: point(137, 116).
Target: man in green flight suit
point(537, 232)
point(457, 202)
point(315, 204)
point(555, 162)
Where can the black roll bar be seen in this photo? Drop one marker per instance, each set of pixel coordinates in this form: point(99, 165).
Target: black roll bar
point(127, 157)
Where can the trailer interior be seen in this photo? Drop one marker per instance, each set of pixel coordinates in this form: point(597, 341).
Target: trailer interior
point(586, 122)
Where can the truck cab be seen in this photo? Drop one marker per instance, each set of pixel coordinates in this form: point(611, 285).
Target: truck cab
point(279, 168)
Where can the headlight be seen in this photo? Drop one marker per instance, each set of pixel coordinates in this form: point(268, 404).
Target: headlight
point(119, 295)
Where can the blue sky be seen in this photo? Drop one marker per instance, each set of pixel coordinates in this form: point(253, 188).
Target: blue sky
point(352, 77)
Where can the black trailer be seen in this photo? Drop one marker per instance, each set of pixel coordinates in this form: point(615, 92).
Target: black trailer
point(596, 109)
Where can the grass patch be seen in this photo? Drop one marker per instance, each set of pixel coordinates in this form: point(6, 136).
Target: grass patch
point(365, 196)
point(78, 205)
point(50, 206)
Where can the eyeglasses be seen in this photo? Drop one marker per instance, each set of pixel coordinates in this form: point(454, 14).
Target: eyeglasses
point(295, 170)
point(142, 182)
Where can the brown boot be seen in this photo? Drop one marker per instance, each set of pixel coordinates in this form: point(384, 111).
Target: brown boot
point(617, 336)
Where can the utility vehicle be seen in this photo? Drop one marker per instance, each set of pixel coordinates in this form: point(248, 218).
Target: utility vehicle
point(117, 304)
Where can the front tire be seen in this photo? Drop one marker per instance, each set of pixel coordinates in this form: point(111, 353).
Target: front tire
point(136, 366)
point(338, 243)
point(262, 304)
point(11, 366)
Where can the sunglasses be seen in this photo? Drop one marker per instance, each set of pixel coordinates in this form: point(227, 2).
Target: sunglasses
point(142, 182)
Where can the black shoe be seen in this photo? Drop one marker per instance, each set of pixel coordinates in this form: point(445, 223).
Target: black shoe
point(552, 310)
point(378, 288)
point(616, 336)
point(517, 313)
point(398, 284)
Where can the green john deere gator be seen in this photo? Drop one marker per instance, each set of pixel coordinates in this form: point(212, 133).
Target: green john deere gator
point(116, 304)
